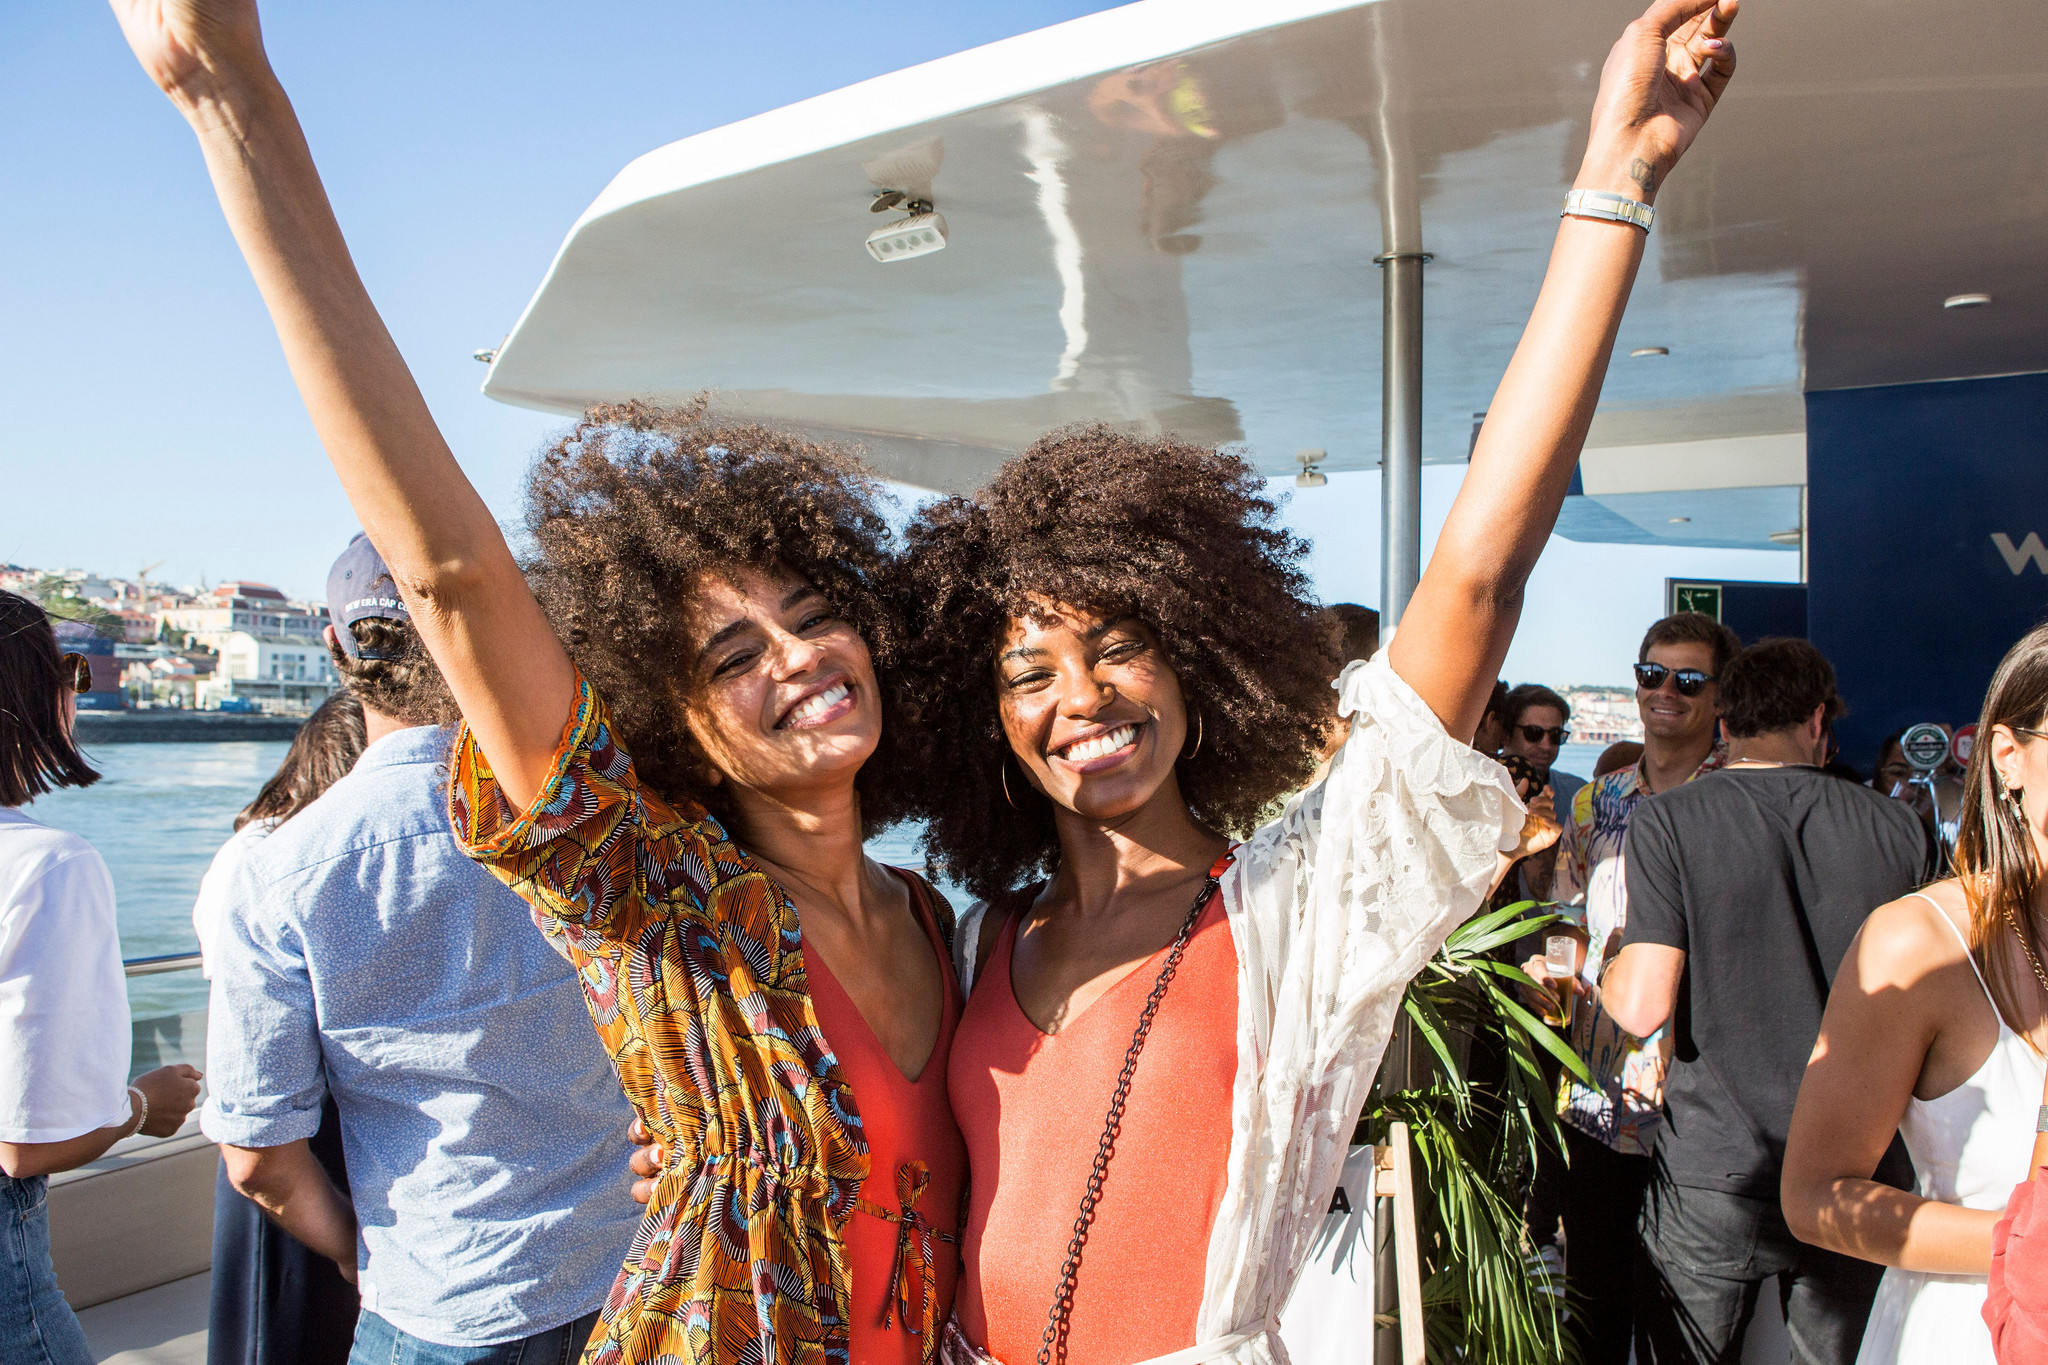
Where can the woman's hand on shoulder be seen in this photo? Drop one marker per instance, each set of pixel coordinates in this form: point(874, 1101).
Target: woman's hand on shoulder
point(1660, 82)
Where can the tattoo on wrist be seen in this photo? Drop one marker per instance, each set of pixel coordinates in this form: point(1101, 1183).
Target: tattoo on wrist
point(1644, 174)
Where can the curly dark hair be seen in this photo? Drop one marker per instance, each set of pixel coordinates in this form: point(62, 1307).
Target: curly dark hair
point(402, 680)
point(638, 504)
point(1179, 536)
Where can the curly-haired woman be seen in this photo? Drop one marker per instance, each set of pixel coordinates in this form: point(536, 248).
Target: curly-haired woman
point(1159, 1079)
point(778, 1006)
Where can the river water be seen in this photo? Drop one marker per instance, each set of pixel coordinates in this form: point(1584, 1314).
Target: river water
point(159, 813)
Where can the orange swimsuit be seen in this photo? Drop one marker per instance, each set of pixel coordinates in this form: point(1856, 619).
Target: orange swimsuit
point(1031, 1107)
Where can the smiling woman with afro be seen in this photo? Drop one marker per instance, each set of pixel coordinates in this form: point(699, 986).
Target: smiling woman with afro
point(1183, 538)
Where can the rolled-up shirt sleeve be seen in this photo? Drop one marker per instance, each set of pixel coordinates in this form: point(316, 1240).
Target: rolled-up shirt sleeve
point(264, 1073)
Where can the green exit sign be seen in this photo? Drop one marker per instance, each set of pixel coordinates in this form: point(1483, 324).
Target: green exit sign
point(1704, 598)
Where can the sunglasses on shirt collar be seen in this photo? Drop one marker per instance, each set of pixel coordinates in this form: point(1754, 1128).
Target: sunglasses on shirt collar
point(77, 670)
point(1536, 734)
point(1689, 681)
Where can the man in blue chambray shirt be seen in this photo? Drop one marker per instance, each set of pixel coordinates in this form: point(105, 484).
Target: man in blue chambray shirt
point(364, 956)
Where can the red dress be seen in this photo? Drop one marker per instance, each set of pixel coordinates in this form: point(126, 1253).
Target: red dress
point(906, 1122)
point(1031, 1106)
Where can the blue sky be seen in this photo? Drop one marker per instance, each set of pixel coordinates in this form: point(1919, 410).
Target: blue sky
point(145, 413)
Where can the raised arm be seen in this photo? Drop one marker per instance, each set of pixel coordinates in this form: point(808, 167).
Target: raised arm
point(469, 602)
point(1658, 86)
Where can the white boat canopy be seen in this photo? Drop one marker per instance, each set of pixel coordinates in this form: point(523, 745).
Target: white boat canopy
point(1165, 215)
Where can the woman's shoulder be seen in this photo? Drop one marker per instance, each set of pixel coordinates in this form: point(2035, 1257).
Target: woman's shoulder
point(1904, 939)
point(37, 861)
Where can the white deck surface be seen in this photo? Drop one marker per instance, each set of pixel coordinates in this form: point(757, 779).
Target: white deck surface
point(161, 1326)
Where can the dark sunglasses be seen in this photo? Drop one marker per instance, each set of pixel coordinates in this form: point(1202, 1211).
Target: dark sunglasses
point(1690, 681)
point(1536, 734)
point(79, 670)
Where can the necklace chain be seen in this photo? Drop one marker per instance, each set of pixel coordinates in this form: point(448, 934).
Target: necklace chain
point(1054, 1342)
point(2033, 958)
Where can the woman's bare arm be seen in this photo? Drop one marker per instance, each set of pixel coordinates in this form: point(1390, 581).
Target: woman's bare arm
point(1658, 86)
point(1885, 1014)
point(470, 604)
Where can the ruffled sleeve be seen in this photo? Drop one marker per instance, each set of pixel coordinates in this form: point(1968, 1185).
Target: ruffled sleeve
point(1333, 908)
point(595, 855)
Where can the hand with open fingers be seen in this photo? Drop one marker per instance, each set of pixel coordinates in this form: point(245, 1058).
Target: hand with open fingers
point(172, 1092)
point(193, 49)
point(1660, 82)
point(646, 1162)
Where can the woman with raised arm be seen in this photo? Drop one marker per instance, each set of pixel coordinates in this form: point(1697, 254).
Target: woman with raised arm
point(683, 804)
point(1160, 1075)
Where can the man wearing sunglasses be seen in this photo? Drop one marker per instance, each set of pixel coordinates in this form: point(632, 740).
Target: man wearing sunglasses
point(1610, 1126)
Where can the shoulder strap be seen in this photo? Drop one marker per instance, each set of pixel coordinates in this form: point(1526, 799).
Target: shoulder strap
point(1968, 956)
point(984, 925)
point(941, 909)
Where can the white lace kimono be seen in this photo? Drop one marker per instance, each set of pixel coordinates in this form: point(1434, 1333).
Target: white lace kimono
point(1332, 908)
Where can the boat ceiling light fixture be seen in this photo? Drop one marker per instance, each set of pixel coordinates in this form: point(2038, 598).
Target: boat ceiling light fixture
point(1966, 300)
point(922, 233)
point(1310, 476)
point(1641, 351)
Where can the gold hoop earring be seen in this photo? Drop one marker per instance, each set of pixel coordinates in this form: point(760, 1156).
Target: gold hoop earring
point(1004, 769)
point(1198, 737)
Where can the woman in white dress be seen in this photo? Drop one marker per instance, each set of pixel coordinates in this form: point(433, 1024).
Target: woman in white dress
point(1159, 1075)
point(1935, 1030)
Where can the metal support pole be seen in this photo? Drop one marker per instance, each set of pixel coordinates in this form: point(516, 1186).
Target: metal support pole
point(1400, 430)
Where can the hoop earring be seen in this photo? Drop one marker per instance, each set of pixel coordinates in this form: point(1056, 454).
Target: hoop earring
point(1004, 769)
point(1198, 737)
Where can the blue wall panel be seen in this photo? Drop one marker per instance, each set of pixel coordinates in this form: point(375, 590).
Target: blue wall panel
point(1921, 502)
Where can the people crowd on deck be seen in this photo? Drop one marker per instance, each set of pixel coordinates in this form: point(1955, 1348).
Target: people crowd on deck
point(1098, 1116)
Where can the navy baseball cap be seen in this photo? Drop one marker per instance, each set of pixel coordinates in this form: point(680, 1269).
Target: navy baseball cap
point(360, 588)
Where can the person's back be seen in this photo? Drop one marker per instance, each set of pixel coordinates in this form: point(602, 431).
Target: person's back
point(484, 1131)
point(1772, 870)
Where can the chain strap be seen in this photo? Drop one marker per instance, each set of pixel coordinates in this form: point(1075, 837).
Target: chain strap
point(1054, 1342)
point(2033, 958)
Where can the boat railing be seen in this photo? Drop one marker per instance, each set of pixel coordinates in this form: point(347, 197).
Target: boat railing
point(163, 962)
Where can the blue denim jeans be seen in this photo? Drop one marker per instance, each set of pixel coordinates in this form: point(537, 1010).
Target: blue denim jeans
point(36, 1326)
point(379, 1343)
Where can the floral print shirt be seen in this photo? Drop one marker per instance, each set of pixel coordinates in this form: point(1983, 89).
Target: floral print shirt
point(1626, 1106)
point(691, 963)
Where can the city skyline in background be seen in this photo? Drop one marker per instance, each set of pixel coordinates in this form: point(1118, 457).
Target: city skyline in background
point(150, 415)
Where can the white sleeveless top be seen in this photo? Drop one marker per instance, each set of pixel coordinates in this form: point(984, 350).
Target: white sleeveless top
point(1969, 1147)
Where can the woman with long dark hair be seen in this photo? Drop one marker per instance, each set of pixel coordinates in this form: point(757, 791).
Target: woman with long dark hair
point(1159, 1072)
point(276, 1301)
point(675, 761)
point(65, 1097)
point(1935, 1032)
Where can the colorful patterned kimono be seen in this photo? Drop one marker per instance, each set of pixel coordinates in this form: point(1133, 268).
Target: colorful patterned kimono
point(692, 966)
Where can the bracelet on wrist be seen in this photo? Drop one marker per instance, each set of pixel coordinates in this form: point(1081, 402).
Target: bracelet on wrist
point(1612, 208)
point(141, 1113)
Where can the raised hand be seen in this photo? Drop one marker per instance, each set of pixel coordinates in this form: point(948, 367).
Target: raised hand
point(1660, 82)
point(190, 48)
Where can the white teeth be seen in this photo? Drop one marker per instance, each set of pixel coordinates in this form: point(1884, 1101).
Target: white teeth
point(1107, 743)
point(813, 707)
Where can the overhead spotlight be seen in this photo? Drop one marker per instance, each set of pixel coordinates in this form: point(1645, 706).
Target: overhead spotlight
point(1310, 476)
point(922, 233)
point(1966, 300)
point(1641, 351)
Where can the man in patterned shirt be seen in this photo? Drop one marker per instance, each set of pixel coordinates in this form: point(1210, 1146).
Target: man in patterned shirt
point(1609, 1127)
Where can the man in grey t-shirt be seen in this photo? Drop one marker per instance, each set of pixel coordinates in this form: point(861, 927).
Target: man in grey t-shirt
point(1745, 889)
